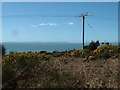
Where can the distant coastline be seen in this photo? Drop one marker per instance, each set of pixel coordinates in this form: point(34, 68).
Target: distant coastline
point(39, 46)
point(42, 46)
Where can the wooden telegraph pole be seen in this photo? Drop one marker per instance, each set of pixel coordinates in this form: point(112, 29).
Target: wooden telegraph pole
point(83, 32)
point(83, 17)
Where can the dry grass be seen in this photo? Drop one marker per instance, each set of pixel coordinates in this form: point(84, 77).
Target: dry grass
point(73, 73)
point(94, 74)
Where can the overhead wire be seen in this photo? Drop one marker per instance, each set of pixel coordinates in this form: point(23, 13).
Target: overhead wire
point(30, 16)
point(89, 25)
point(41, 16)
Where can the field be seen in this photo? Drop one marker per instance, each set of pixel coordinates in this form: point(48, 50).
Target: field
point(62, 69)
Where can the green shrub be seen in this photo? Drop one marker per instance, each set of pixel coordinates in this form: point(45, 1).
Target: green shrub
point(43, 51)
point(105, 55)
point(2, 50)
point(93, 45)
point(7, 72)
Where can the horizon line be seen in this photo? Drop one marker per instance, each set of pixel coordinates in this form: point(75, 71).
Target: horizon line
point(56, 42)
point(60, 1)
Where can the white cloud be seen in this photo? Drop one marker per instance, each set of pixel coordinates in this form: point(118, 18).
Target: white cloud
point(52, 24)
point(33, 26)
point(70, 23)
point(47, 24)
point(43, 24)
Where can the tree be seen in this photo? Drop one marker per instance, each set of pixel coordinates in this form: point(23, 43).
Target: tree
point(43, 51)
point(93, 45)
point(2, 50)
point(103, 43)
point(107, 43)
point(97, 43)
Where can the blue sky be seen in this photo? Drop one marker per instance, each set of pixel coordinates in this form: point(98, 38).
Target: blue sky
point(57, 21)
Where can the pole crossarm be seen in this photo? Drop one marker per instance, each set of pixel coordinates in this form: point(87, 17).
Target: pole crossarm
point(83, 15)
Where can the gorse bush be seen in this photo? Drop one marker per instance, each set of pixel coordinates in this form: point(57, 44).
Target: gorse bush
point(14, 64)
point(106, 51)
point(89, 58)
point(57, 54)
point(21, 56)
point(76, 53)
point(109, 49)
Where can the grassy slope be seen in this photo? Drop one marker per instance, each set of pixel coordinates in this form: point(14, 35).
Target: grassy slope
point(63, 70)
point(74, 73)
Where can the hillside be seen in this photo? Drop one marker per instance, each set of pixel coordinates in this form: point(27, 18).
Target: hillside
point(62, 69)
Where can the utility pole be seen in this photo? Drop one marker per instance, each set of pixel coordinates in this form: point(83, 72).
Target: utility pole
point(83, 32)
point(83, 17)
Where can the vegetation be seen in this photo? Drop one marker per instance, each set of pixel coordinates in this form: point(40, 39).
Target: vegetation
point(2, 50)
point(88, 68)
point(76, 53)
point(106, 52)
point(93, 45)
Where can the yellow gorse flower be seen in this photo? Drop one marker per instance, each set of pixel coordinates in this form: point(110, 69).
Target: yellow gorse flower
point(109, 49)
point(76, 52)
point(91, 57)
point(13, 57)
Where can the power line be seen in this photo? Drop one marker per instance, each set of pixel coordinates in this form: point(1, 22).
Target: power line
point(89, 25)
point(67, 16)
point(30, 16)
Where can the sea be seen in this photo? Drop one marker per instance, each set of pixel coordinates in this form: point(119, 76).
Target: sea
point(39, 46)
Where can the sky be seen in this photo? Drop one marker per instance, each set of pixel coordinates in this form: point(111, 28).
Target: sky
point(57, 21)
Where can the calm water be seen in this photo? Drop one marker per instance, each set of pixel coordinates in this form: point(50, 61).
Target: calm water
point(49, 47)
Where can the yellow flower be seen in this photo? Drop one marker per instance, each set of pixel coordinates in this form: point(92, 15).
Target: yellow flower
point(85, 59)
point(91, 57)
point(110, 51)
point(76, 52)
